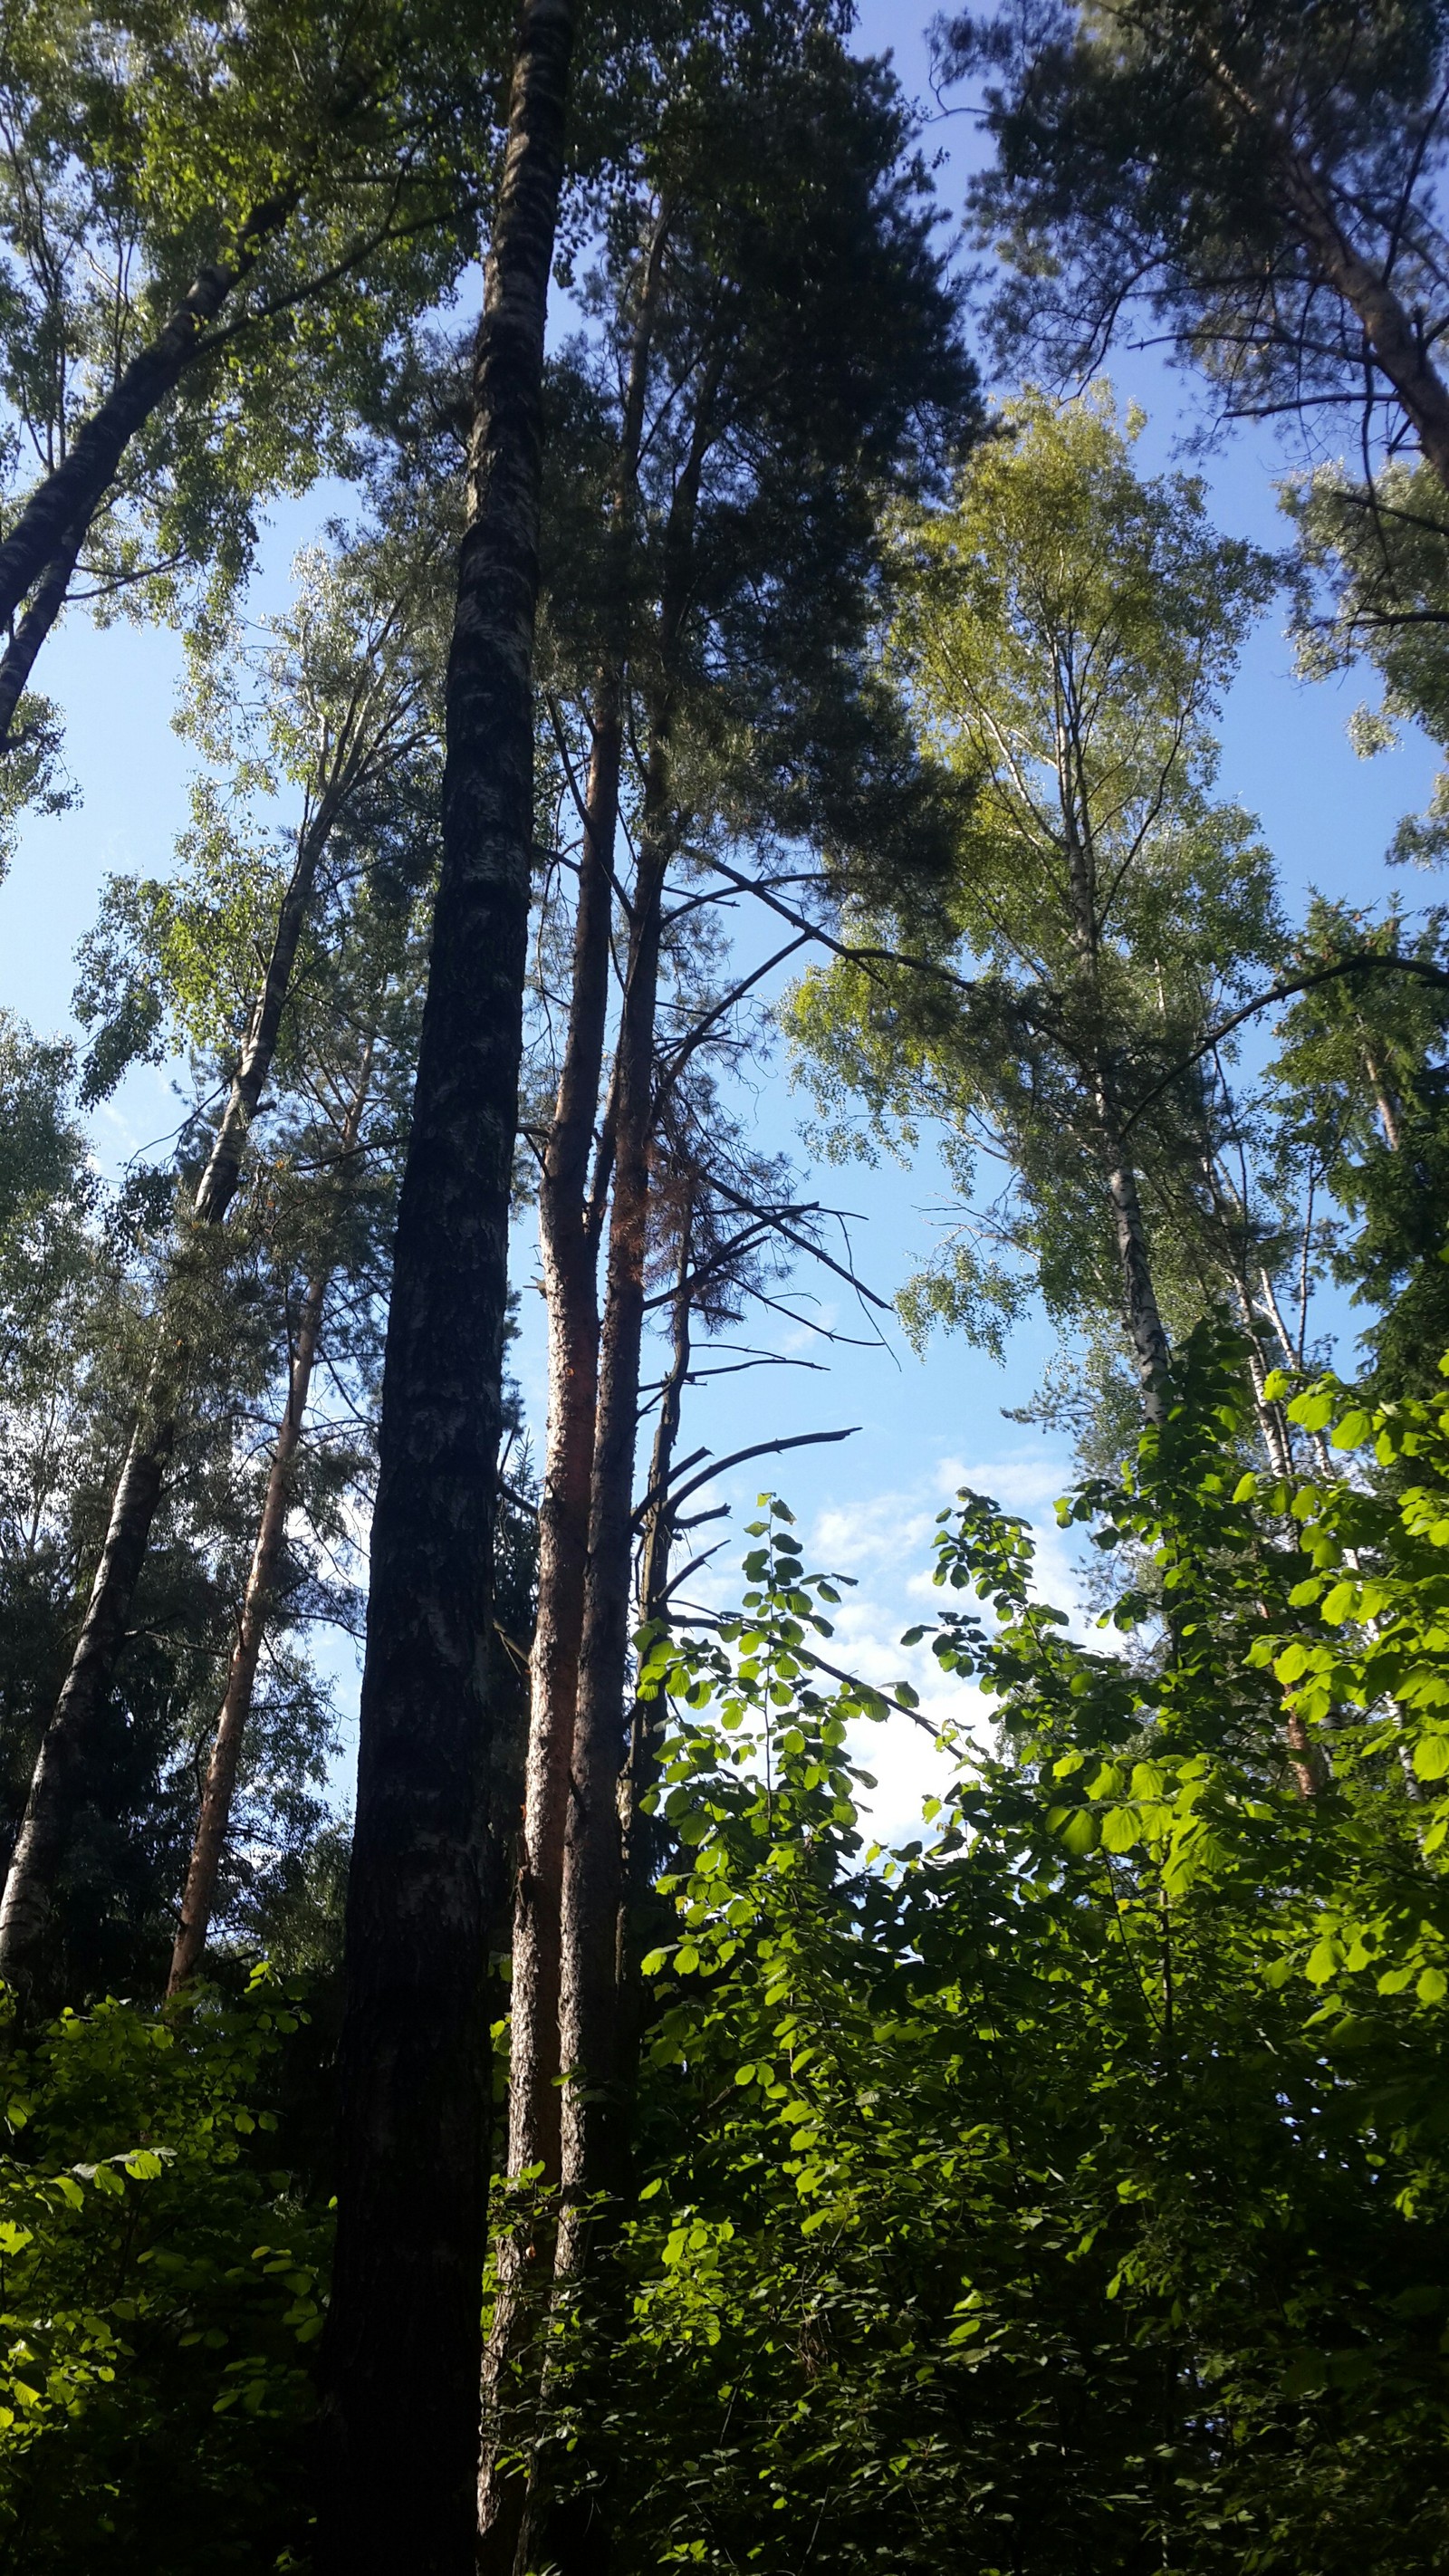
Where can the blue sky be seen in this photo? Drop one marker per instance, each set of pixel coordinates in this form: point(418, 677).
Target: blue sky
point(926, 1425)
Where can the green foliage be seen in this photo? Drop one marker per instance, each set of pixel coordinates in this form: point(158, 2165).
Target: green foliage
point(1063, 632)
point(160, 2291)
point(1154, 159)
point(139, 144)
point(1359, 1089)
point(1068, 2187)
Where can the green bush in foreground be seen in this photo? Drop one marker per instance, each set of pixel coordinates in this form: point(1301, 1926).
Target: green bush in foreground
point(159, 2291)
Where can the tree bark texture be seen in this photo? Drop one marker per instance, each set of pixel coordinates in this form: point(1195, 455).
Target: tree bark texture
point(48, 600)
point(403, 2347)
point(214, 1821)
point(1151, 1350)
point(58, 1784)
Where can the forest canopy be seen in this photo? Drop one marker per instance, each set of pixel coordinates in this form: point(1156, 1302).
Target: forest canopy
point(626, 641)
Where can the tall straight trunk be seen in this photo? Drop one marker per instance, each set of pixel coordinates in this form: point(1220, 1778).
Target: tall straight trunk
point(588, 2014)
point(588, 2009)
point(590, 2142)
point(214, 1821)
point(58, 1783)
point(62, 507)
point(568, 1242)
point(569, 1248)
point(568, 1224)
point(403, 2347)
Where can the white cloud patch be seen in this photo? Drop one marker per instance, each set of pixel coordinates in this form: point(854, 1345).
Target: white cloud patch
point(884, 1544)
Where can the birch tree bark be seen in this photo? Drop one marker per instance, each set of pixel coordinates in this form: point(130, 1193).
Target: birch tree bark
point(404, 2347)
point(213, 1823)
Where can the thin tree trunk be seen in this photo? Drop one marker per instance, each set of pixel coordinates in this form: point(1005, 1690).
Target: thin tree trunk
point(1388, 1116)
point(58, 1782)
point(638, 1837)
point(403, 2347)
point(64, 505)
point(588, 2017)
point(588, 2013)
point(570, 1271)
point(214, 1820)
point(588, 2003)
point(568, 1242)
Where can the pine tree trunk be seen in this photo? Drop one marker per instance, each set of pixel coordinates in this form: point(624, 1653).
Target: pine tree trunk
point(58, 1784)
point(588, 2014)
point(1392, 333)
point(591, 1886)
point(403, 2345)
point(568, 1241)
point(590, 2143)
point(569, 1252)
point(64, 505)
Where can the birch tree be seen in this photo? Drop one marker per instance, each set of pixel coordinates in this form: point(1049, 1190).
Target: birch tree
point(1067, 633)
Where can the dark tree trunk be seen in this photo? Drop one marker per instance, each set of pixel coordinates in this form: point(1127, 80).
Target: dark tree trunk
point(403, 2346)
point(61, 509)
point(58, 1784)
point(20, 654)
